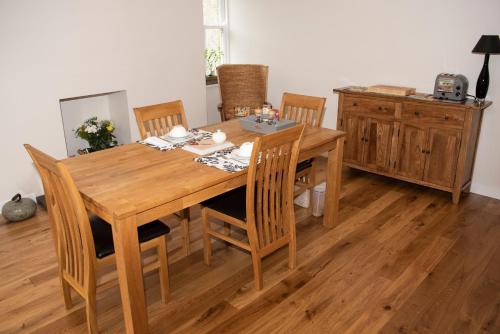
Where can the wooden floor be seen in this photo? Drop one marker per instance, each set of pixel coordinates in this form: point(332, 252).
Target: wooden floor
point(404, 259)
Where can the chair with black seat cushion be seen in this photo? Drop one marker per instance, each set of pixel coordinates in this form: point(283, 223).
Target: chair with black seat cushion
point(82, 244)
point(307, 110)
point(264, 207)
point(158, 120)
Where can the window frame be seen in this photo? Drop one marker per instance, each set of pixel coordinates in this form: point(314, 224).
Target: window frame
point(223, 25)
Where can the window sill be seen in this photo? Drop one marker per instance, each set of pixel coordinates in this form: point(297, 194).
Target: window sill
point(211, 80)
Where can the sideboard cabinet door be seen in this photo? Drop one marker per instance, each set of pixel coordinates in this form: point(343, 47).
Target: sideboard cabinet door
point(442, 155)
point(411, 151)
point(378, 139)
point(354, 126)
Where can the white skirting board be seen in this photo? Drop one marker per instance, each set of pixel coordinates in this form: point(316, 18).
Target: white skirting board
point(485, 190)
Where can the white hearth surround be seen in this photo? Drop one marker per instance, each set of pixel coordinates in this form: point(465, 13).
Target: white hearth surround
point(56, 49)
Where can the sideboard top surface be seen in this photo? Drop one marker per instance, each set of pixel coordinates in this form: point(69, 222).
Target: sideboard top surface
point(417, 97)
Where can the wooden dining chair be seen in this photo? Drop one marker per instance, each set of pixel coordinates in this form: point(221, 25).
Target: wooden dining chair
point(264, 208)
point(307, 110)
point(85, 244)
point(241, 85)
point(158, 120)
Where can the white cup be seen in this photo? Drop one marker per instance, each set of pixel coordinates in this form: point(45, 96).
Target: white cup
point(178, 131)
point(219, 137)
point(246, 149)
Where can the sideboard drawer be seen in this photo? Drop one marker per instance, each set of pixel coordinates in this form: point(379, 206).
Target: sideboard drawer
point(432, 114)
point(372, 106)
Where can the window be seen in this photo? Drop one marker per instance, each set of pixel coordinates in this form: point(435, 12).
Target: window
point(216, 36)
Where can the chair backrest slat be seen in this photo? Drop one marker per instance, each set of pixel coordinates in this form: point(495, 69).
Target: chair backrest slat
point(241, 85)
point(270, 183)
point(303, 109)
point(69, 219)
point(158, 119)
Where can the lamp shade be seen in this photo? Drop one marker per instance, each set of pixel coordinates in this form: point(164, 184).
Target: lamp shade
point(488, 44)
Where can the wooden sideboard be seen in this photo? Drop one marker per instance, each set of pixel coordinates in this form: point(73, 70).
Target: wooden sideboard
point(412, 138)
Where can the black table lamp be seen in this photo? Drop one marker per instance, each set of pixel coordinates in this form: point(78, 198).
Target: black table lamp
point(488, 44)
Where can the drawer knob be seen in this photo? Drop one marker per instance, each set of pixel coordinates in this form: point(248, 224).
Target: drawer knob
point(379, 108)
point(416, 113)
point(446, 117)
point(354, 104)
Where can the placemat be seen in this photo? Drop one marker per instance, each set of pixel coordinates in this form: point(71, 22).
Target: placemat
point(222, 160)
point(161, 144)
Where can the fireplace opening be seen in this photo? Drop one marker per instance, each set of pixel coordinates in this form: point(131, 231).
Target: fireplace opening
point(112, 106)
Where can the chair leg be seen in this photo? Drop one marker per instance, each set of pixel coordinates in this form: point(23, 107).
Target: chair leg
point(312, 184)
point(257, 270)
point(292, 254)
point(184, 216)
point(227, 231)
point(163, 270)
point(207, 246)
point(68, 303)
point(91, 311)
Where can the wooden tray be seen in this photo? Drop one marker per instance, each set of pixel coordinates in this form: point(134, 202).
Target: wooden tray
point(391, 90)
point(249, 123)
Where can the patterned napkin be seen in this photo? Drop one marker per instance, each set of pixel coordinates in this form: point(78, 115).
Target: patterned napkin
point(223, 160)
point(162, 144)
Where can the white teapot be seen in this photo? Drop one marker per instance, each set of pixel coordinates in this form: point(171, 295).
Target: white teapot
point(178, 131)
point(219, 137)
point(246, 149)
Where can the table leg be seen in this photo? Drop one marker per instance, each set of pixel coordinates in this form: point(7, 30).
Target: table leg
point(129, 267)
point(333, 184)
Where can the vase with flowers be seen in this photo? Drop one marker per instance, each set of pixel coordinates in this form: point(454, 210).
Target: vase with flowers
point(98, 134)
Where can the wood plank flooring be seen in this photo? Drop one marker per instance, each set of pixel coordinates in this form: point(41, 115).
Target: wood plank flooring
point(404, 259)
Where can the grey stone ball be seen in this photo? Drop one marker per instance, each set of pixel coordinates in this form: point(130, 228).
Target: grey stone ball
point(19, 209)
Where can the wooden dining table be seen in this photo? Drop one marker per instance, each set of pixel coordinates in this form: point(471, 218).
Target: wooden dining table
point(134, 184)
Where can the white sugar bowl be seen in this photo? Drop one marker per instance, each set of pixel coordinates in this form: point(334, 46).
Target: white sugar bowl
point(219, 137)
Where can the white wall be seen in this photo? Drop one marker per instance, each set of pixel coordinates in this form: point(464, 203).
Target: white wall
point(314, 46)
point(213, 100)
point(58, 49)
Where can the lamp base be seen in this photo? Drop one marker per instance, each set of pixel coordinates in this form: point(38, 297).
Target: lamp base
point(483, 80)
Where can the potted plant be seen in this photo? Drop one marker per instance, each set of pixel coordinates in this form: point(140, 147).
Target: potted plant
point(213, 58)
point(98, 134)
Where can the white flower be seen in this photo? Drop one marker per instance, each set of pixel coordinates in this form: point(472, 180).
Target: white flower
point(91, 129)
